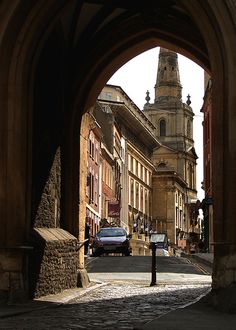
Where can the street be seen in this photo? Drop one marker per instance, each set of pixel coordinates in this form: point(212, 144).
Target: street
point(124, 299)
point(138, 268)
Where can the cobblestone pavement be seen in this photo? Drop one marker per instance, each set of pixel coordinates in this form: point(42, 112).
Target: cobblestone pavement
point(117, 305)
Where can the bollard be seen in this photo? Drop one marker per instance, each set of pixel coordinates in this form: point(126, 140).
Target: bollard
point(154, 268)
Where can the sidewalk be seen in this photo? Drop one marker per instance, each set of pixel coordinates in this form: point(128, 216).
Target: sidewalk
point(197, 316)
point(50, 301)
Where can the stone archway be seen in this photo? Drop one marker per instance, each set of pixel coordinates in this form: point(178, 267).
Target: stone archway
point(218, 40)
point(94, 50)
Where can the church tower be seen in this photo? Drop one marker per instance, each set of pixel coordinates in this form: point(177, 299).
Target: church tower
point(168, 87)
point(172, 118)
point(174, 177)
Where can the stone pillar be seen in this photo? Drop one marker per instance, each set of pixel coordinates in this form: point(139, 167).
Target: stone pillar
point(84, 133)
point(48, 210)
point(224, 173)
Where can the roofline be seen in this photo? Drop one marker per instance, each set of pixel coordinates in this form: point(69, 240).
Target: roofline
point(132, 103)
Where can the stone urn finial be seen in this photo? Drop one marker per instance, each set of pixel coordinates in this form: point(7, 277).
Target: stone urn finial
point(147, 98)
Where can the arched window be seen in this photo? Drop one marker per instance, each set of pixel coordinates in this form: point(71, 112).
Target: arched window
point(162, 127)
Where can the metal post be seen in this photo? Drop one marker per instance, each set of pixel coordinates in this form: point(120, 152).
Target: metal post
point(153, 282)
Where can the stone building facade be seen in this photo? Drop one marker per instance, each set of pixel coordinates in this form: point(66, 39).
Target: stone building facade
point(112, 162)
point(93, 187)
point(136, 144)
point(107, 182)
point(207, 203)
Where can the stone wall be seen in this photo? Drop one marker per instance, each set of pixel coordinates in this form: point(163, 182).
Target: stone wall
point(54, 261)
point(140, 245)
point(48, 210)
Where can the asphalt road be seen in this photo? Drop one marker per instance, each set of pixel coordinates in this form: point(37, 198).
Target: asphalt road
point(139, 268)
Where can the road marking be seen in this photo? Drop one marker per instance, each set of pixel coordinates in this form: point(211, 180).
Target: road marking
point(199, 267)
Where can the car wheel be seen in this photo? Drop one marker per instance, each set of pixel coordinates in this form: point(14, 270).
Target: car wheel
point(126, 253)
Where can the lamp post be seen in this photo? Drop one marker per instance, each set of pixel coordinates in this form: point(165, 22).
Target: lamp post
point(153, 240)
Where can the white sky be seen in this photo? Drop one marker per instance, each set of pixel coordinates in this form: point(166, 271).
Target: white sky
point(139, 75)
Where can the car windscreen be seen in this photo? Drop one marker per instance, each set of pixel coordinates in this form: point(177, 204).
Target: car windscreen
point(111, 233)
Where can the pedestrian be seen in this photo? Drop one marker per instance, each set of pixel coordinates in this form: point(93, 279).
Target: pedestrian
point(192, 248)
point(201, 246)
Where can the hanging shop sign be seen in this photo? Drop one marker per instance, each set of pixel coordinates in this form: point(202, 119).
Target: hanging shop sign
point(114, 209)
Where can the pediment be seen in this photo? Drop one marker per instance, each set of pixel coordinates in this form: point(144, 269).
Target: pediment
point(192, 152)
point(164, 150)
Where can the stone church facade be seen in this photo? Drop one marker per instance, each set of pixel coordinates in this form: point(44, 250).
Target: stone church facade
point(174, 180)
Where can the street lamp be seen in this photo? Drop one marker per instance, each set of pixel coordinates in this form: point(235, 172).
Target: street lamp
point(154, 240)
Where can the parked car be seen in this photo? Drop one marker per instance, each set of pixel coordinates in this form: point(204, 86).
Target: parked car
point(111, 240)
